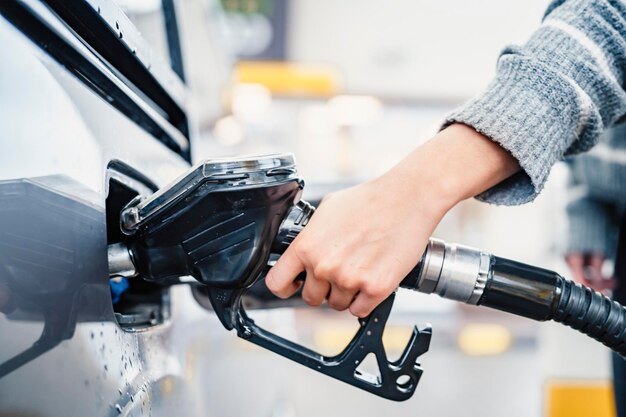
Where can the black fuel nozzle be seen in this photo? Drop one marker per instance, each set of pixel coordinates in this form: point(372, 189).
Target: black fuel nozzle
point(220, 223)
point(297, 218)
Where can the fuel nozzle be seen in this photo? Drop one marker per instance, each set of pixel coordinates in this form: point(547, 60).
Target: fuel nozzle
point(221, 223)
point(297, 218)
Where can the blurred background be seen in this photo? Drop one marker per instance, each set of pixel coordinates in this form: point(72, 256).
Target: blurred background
point(351, 87)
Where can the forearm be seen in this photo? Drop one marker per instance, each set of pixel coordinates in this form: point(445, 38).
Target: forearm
point(554, 95)
point(456, 164)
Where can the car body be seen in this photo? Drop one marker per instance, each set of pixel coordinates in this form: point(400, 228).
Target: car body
point(92, 114)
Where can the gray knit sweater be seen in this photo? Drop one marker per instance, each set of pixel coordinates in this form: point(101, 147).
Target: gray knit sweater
point(554, 96)
point(597, 194)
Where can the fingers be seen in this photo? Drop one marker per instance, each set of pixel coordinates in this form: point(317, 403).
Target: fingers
point(315, 290)
point(280, 278)
point(340, 299)
point(364, 304)
point(322, 284)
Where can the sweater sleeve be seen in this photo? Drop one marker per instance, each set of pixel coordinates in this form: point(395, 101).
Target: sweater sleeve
point(590, 224)
point(553, 96)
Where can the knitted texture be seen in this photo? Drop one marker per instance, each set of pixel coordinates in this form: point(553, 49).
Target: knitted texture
point(591, 227)
point(597, 195)
point(553, 96)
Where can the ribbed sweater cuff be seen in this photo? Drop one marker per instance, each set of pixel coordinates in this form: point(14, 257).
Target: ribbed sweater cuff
point(533, 114)
point(589, 228)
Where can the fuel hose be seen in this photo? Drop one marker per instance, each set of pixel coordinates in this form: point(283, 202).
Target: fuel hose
point(469, 275)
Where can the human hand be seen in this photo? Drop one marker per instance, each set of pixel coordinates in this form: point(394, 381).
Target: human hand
point(358, 246)
point(587, 269)
point(361, 242)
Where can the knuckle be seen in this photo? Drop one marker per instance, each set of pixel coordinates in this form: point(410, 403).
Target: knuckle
point(302, 250)
point(347, 281)
point(325, 270)
point(372, 287)
point(377, 287)
point(349, 277)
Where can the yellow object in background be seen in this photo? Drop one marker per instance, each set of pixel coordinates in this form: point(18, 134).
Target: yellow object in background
point(579, 399)
point(291, 79)
point(330, 340)
point(484, 339)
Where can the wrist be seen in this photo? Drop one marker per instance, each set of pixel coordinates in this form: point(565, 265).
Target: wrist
point(419, 191)
point(456, 164)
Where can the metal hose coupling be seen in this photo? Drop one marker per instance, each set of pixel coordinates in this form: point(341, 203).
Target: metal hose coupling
point(453, 271)
point(471, 276)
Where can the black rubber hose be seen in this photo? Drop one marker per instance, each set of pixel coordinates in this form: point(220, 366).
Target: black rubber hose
point(541, 294)
point(593, 314)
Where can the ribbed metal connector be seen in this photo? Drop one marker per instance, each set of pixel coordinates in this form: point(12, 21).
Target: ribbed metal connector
point(454, 271)
point(484, 270)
